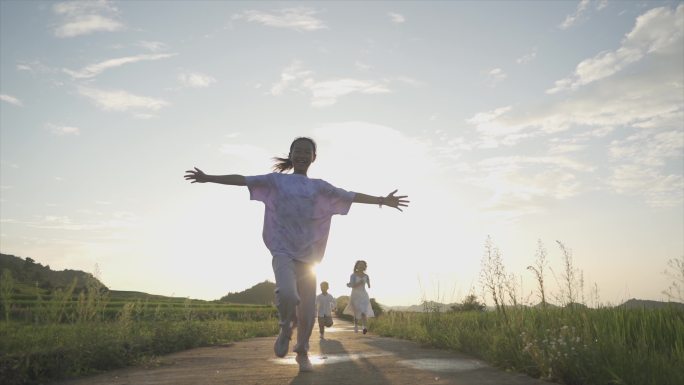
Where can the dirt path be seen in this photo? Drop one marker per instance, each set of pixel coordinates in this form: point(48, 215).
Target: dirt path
point(343, 358)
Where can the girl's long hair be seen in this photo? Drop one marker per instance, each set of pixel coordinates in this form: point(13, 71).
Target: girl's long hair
point(285, 164)
point(360, 262)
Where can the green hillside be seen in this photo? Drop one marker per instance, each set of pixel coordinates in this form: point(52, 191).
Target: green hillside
point(27, 274)
point(260, 294)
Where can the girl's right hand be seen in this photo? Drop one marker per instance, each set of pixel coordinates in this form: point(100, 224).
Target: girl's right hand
point(196, 176)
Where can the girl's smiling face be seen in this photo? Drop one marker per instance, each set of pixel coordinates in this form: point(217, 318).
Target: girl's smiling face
point(302, 155)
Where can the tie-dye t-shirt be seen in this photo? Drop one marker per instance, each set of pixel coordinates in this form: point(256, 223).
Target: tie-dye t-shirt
point(298, 213)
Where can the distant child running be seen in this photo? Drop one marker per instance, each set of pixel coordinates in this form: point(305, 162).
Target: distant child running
point(298, 211)
point(325, 303)
point(359, 304)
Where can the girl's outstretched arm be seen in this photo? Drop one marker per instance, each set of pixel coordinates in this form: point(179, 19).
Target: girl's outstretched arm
point(368, 280)
point(198, 176)
point(390, 200)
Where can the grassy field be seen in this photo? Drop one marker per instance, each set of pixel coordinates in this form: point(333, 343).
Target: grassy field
point(47, 336)
point(570, 346)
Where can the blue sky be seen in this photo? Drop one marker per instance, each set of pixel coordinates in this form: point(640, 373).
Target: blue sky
point(523, 121)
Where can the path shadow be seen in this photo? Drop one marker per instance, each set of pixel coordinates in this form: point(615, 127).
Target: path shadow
point(449, 363)
point(334, 364)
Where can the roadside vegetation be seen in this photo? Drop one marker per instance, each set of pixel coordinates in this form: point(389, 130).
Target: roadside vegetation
point(49, 334)
point(567, 342)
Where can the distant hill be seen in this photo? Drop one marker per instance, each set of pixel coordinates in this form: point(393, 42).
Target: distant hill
point(260, 294)
point(648, 304)
point(426, 305)
point(630, 304)
point(28, 272)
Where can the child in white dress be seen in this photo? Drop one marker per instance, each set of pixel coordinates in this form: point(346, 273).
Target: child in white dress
point(325, 303)
point(298, 212)
point(359, 303)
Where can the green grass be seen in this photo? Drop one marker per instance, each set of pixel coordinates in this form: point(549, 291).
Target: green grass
point(34, 353)
point(53, 335)
point(570, 346)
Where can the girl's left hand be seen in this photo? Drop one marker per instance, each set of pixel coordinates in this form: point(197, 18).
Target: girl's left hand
point(395, 201)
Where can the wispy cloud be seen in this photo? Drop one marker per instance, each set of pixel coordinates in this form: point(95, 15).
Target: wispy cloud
point(521, 185)
point(298, 19)
point(36, 67)
point(291, 76)
point(639, 166)
point(410, 81)
point(121, 100)
point(641, 109)
point(528, 57)
point(658, 188)
point(63, 130)
point(656, 31)
point(573, 18)
point(153, 46)
point(488, 116)
point(495, 76)
point(86, 17)
point(195, 80)
point(11, 100)
point(324, 92)
point(361, 66)
point(96, 69)
point(396, 18)
point(582, 12)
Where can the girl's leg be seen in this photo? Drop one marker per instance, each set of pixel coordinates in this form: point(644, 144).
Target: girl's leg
point(306, 309)
point(363, 321)
point(286, 296)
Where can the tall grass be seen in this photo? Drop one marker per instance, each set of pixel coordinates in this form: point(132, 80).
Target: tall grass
point(572, 344)
point(33, 353)
point(62, 334)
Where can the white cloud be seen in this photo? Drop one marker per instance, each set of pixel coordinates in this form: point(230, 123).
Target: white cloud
point(362, 66)
point(298, 19)
point(195, 79)
point(641, 109)
point(11, 100)
point(289, 77)
point(658, 31)
point(117, 220)
point(121, 100)
point(573, 18)
point(495, 76)
point(488, 116)
point(648, 148)
point(96, 69)
point(324, 92)
point(521, 185)
point(410, 81)
point(36, 67)
point(85, 17)
point(649, 96)
point(63, 130)
point(659, 189)
point(528, 57)
point(153, 46)
point(396, 18)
